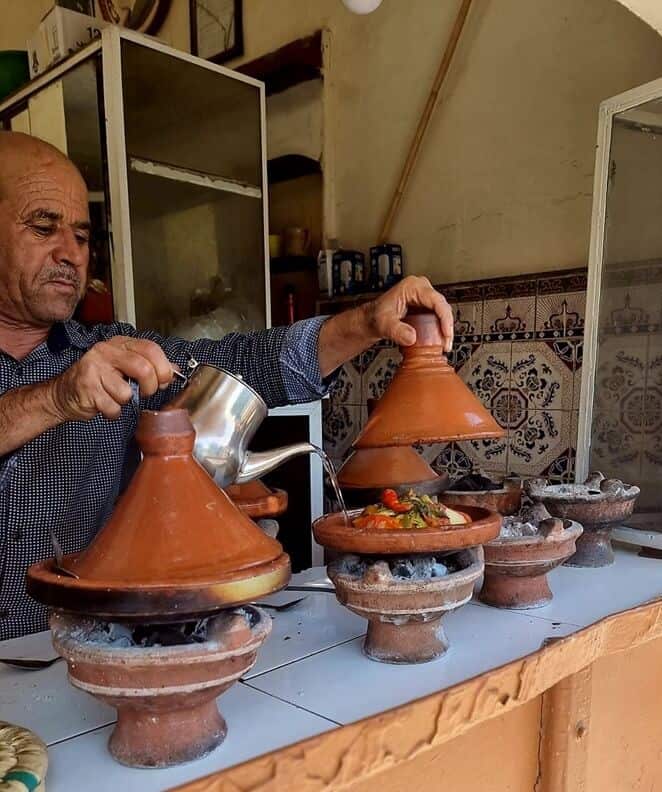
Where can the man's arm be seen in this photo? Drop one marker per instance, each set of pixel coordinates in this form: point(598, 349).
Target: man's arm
point(97, 383)
point(24, 414)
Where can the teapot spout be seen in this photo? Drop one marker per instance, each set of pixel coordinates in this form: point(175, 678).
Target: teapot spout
point(257, 463)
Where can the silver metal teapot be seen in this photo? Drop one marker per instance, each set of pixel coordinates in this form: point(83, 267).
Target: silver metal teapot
point(226, 413)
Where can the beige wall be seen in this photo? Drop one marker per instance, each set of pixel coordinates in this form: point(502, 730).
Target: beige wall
point(504, 182)
point(649, 10)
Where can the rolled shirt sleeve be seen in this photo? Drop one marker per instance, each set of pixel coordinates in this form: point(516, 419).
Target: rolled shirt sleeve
point(281, 363)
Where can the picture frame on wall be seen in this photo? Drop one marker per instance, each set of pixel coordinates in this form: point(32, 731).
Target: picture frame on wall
point(217, 32)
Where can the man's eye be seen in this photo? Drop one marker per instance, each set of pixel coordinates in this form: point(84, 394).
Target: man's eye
point(83, 239)
point(43, 230)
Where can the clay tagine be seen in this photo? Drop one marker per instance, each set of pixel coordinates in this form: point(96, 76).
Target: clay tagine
point(599, 504)
point(369, 471)
point(517, 562)
point(404, 600)
point(165, 695)
point(176, 547)
point(403, 581)
point(426, 402)
point(505, 497)
point(256, 500)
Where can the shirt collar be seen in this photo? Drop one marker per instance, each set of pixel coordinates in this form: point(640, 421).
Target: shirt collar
point(66, 334)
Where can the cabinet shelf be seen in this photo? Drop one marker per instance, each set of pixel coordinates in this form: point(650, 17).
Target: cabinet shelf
point(193, 177)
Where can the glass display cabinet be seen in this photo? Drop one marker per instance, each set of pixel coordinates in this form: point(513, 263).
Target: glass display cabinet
point(620, 423)
point(173, 150)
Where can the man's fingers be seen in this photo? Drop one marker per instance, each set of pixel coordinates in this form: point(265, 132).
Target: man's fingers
point(151, 352)
point(117, 388)
point(402, 334)
point(428, 297)
point(135, 366)
point(107, 406)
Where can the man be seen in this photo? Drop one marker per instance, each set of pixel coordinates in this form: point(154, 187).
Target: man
point(66, 408)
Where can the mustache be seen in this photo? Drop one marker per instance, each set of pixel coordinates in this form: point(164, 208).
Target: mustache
point(61, 274)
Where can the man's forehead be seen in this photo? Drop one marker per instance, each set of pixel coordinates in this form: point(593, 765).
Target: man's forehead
point(47, 194)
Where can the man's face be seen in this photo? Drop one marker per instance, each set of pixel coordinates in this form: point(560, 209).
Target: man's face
point(44, 243)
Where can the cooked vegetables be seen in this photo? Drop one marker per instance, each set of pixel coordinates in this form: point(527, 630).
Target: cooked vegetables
point(408, 512)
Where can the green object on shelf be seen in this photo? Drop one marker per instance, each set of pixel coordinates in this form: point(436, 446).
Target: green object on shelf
point(14, 71)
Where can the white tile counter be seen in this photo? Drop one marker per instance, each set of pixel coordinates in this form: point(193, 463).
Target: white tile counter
point(310, 676)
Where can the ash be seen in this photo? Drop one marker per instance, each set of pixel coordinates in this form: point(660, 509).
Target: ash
point(406, 568)
point(123, 636)
point(514, 528)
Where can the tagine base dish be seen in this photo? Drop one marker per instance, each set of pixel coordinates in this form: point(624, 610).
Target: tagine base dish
point(176, 601)
point(165, 696)
point(404, 614)
point(335, 533)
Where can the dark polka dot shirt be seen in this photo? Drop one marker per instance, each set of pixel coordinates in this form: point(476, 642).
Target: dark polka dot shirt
point(68, 478)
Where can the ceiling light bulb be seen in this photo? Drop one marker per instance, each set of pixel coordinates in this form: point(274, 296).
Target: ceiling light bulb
point(362, 6)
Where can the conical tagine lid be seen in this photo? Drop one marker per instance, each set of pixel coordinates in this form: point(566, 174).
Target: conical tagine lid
point(369, 468)
point(175, 544)
point(426, 401)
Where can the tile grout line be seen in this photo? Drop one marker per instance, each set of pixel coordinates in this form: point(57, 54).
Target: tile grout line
point(291, 703)
point(82, 734)
point(304, 657)
point(525, 613)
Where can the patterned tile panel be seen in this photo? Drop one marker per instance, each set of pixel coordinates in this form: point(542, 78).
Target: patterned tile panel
point(379, 372)
point(510, 319)
point(560, 315)
point(541, 376)
point(487, 456)
point(347, 386)
point(487, 373)
point(636, 309)
point(341, 424)
point(468, 318)
point(621, 370)
point(542, 438)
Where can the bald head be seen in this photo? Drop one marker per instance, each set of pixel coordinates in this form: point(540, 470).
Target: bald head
point(44, 232)
point(21, 153)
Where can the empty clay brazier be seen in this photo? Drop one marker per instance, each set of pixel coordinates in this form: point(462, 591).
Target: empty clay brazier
point(175, 547)
point(404, 611)
point(426, 402)
point(506, 500)
point(516, 566)
point(165, 696)
point(598, 505)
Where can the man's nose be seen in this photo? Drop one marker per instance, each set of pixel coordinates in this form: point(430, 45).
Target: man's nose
point(69, 250)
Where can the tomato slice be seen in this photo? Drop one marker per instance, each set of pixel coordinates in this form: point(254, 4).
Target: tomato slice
point(377, 522)
point(390, 499)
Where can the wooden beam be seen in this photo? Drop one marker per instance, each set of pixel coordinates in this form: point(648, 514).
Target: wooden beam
point(296, 62)
point(564, 735)
point(347, 756)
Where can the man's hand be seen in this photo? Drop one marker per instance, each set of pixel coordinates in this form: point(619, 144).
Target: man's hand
point(97, 383)
point(384, 315)
point(347, 334)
